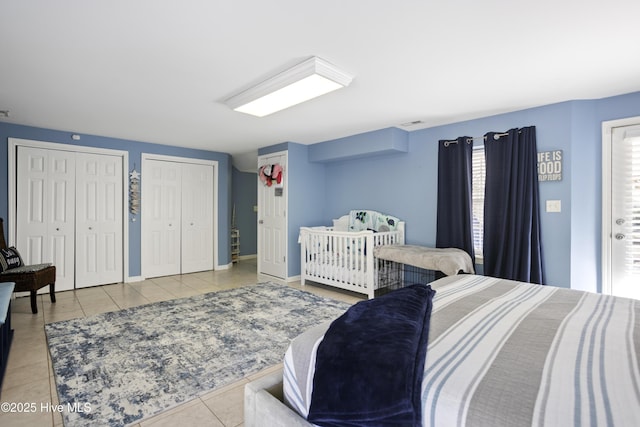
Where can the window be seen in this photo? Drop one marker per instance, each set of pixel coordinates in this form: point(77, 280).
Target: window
point(477, 196)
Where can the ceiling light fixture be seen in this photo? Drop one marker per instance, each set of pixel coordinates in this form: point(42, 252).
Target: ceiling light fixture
point(305, 81)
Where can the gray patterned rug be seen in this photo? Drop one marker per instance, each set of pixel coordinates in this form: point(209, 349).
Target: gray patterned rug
point(117, 368)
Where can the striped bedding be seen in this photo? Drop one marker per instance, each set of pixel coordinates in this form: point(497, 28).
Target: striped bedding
point(503, 353)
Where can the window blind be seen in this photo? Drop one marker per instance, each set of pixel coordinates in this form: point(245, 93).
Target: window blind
point(626, 183)
point(477, 195)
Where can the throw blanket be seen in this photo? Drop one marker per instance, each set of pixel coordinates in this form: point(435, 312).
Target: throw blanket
point(448, 260)
point(369, 365)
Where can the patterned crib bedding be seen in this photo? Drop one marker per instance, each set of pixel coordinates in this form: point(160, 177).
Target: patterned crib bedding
point(504, 353)
point(360, 220)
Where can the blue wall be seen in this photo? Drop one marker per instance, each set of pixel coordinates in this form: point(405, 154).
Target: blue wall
point(405, 184)
point(245, 197)
point(135, 149)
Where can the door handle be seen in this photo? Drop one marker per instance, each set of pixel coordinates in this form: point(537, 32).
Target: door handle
point(620, 221)
point(261, 222)
point(620, 236)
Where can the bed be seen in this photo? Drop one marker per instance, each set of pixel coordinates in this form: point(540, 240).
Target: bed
point(342, 255)
point(499, 353)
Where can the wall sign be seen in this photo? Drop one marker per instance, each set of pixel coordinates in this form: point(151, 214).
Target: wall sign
point(550, 166)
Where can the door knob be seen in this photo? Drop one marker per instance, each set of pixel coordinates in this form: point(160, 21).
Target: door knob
point(261, 222)
point(620, 236)
point(620, 221)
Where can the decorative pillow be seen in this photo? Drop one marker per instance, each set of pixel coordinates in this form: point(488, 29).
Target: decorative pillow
point(10, 258)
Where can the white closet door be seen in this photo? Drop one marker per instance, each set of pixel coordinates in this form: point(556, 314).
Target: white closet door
point(45, 223)
point(161, 216)
point(197, 218)
point(99, 222)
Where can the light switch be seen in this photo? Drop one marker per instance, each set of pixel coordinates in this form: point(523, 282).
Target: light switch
point(554, 206)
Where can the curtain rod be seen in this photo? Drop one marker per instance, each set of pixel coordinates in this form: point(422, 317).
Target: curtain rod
point(496, 136)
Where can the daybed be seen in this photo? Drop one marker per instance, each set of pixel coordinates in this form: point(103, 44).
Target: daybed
point(499, 353)
point(343, 255)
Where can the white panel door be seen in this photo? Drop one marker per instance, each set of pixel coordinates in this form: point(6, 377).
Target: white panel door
point(99, 222)
point(272, 223)
point(197, 218)
point(45, 224)
point(161, 216)
point(625, 211)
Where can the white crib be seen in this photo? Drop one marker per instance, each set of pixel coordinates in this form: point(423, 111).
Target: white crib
point(344, 259)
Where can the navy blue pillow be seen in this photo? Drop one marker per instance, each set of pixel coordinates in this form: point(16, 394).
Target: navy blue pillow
point(10, 258)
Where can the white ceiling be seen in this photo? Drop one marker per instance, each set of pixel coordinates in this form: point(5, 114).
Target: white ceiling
point(157, 70)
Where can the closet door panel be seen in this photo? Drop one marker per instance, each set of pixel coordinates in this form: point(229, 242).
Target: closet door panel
point(32, 224)
point(61, 211)
point(161, 217)
point(197, 218)
point(99, 221)
point(46, 210)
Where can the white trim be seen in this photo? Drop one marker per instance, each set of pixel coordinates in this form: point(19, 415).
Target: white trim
point(216, 205)
point(191, 160)
point(245, 257)
point(607, 132)
point(132, 279)
point(225, 267)
point(12, 145)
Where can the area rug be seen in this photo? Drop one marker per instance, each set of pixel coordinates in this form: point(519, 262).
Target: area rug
point(117, 368)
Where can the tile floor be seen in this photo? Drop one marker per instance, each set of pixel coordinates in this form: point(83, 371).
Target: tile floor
point(29, 377)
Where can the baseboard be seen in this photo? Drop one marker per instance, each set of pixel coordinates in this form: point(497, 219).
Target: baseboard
point(132, 279)
point(293, 278)
point(242, 257)
point(223, 267)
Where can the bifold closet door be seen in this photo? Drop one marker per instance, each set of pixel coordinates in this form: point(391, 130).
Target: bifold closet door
point(45, 197)
point(99, 222)
point(197, 218)
point(177, 215)
point(161, 216)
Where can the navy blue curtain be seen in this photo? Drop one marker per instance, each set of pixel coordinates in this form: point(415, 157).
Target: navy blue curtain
point(512, 244)
point(454, 227)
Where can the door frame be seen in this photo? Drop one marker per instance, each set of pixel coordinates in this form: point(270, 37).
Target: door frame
point(607, 136)
point(14, 143)
point(216, 206)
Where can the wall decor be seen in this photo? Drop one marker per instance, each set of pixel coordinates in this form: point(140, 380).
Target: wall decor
point(270, 174)
point(134, 191)
point(550, 166)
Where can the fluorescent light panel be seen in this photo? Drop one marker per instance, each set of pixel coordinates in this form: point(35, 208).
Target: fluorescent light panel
point(305, 81)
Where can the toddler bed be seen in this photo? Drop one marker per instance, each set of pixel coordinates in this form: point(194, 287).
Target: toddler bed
point(343, 255)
